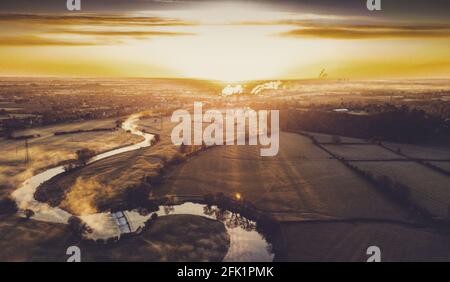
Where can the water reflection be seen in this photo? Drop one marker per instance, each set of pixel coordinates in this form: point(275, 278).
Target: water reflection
point(230, 219)
point(246, 244)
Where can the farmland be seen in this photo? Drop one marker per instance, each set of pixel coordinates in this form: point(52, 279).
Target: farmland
point(325, 194)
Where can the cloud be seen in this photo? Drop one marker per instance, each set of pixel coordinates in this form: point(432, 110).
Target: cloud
point(43, 29)
point(40, 41)
point(369, 32)
point(91, 19)
point(352, 27)
point(345, 28)
point(134, 33)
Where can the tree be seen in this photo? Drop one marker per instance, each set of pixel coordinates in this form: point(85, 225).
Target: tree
point(69, 167)
point(28, 213)
point(84, 155)
point(77, 226)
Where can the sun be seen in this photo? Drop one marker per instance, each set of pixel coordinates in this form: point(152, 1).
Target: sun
point(227, 53)
point(221, 49)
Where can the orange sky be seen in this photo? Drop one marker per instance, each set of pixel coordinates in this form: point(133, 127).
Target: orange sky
point(222, 43)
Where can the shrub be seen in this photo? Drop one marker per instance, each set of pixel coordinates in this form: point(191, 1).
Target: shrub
point(8, 206)
point(84, 155)
point(177, 159)
point(69, 167)
point(28, 213)
point(77, 226)
point(155, 180)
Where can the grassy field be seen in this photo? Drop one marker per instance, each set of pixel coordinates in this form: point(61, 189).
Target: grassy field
point(102, 185)
point(49, 150)
point(31, 240)
point(302, 178)
point(421, 152)
point(303, 183)
point(170, 238)
point(429, 189)
point(442, 165)
point(324, 241)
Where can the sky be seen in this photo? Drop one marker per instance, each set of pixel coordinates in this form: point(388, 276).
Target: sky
point(226, 40)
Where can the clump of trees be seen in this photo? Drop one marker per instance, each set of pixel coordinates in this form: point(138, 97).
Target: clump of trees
point(78, 227)
point(82, 158)
point(84, 155)
point(157, 138)
point(154, 179)
point(28, 213)
point(59, 133)
point(397, 124)
point(150, 221)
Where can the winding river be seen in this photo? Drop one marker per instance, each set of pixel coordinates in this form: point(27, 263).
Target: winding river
point(246, 244)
